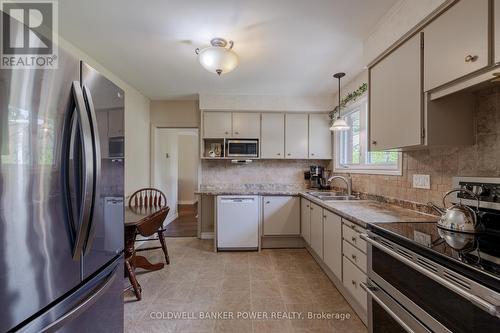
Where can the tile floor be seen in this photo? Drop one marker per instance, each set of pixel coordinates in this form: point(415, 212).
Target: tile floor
point(269, 283)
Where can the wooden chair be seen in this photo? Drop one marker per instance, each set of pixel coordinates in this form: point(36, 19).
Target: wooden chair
point(151, 197)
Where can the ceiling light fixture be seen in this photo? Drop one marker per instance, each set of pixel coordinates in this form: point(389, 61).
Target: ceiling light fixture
point(218, 58)
point(339, 124)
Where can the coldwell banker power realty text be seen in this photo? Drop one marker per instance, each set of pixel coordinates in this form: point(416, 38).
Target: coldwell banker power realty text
point(29, 34)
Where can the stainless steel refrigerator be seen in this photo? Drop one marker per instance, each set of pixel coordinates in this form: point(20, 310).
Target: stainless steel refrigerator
point(61, 167)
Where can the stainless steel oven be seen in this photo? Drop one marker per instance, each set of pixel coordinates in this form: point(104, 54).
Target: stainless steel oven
point(242, 148)
point(408, 292)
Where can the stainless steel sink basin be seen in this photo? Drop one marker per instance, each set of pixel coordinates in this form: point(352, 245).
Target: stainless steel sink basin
point(332, 196)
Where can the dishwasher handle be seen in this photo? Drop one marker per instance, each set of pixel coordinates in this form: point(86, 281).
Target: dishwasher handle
point(237, 200)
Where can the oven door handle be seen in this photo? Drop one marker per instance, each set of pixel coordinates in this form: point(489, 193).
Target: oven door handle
point(370, 291)
point(492, 309)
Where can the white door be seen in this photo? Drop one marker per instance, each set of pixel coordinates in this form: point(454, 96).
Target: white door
point(166, 171)
point(246, 125)
point(115, 122)
point(396, 98)
point(296, 136)
point(216, 124)
point(496, 23)
point(332, 243)
point(456, 43)
point(281, 215)
point(320, 137)
point(272, 143)
point(305, 220)
point(317, 229)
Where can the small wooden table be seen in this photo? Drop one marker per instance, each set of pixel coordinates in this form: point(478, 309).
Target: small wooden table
point(145, 221)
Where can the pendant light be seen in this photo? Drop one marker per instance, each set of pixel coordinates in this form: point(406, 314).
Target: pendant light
point(218, 58)
point(339, 124)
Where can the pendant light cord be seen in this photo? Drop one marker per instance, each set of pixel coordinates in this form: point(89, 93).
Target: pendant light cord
point(338, 117)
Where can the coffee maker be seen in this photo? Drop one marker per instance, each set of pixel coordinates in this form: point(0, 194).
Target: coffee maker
point(315, 176)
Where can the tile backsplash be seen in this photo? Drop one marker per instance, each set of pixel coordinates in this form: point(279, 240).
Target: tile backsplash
point(264, 172)
point(443, 163)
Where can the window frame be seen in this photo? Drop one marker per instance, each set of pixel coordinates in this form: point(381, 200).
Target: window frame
point(364, 169)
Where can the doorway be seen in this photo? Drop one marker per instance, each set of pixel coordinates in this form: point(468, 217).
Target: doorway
point(175, 172)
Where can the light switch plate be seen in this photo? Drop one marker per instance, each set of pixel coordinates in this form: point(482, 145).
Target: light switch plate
point(422, 181)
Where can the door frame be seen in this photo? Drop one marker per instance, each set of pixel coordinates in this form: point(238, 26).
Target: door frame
point(155, 127)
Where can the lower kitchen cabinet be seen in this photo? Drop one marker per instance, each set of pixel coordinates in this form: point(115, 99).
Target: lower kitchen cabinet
point(281, 215)
point(305, 220)
point(332, 243)
point(317, 229)
point(352, 278)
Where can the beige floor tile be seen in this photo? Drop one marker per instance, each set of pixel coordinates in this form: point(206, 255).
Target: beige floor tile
point(265, 289)
point(274, 326)
point(233, 326)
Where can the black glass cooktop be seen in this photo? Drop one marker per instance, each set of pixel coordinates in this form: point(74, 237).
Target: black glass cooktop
point(475, 255)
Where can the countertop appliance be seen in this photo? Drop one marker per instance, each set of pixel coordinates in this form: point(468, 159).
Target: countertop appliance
point(61, 257)
point(242, 148)
point(237, 222)
point(426, 279)
point(315, 176)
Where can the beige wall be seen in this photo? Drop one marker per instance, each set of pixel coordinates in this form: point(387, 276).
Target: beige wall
point(401, 18)
point(175, 113)
point(136, 125)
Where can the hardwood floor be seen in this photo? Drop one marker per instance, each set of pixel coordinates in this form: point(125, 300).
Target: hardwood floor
point(186, 224)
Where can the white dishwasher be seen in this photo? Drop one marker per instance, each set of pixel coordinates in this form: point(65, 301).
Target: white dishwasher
point(237, 222)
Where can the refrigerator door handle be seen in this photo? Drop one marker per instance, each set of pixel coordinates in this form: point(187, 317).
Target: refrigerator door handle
point(97, 162)
point(88, 167)
point(48, 325)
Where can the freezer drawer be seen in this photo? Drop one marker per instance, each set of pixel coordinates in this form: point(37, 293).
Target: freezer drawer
point(237, 222)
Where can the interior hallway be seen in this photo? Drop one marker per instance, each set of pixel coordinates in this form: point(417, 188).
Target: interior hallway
point(186, 224)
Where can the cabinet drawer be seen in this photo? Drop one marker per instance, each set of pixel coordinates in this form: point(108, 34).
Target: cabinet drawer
point(352, 235)
point(355, 255)
point(352, 278)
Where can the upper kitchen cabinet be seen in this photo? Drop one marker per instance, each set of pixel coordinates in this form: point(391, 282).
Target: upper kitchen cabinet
point(320, 137)
point(395, 98)
point(217, 124)
point(246, 125)
point(272, 144)
point(115, 123)
point(496, 23)
point(296, 136)
point(456, 43)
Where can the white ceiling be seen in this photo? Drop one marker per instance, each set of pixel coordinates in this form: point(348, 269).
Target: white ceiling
point(286, 47)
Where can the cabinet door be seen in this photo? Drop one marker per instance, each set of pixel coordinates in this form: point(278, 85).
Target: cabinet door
point(246, 125)
point(281, 215)
point(272, 143)
point(496, 23)
point(320, 137)
point(332, 243)
point(296, 136)
point(456, 43)
point(352, 278)
point(305, 220)
point(396, 98)
point(216, 124)
point(317, 229)
point(115, 123)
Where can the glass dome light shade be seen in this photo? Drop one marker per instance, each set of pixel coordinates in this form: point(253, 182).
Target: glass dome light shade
point(339, 125)
point(219, 60)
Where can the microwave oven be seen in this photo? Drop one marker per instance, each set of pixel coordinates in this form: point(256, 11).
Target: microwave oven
point(242, 148)
point(116, 147)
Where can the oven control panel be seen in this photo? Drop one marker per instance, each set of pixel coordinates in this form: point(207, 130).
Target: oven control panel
point(487, 192)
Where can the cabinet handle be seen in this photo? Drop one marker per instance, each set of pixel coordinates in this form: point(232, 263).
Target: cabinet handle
point(236, 133)
point(307, 206)
point(354, 257)
point(324, 216)
point(471, 58)
point(353, 239)
point(312, 154)
point(354, 283)
point(374, 142)
point(278, 154)
point(289, 154)
point(226, 132)
point(268, 202)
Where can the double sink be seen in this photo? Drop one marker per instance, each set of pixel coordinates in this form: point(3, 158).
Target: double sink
point(333, 196)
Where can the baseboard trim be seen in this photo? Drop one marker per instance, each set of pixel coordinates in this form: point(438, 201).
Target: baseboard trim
point(282, 242)
point(207, 235)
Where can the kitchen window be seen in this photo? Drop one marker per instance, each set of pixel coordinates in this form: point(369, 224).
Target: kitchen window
point(351, 146)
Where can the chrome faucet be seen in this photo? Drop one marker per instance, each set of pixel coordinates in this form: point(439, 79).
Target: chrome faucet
point(348, 182)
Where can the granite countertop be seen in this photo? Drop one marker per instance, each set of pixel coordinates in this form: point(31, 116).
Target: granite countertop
point(362, 212)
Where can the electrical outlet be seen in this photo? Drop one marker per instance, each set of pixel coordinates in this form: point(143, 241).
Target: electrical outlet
point(422, 181)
